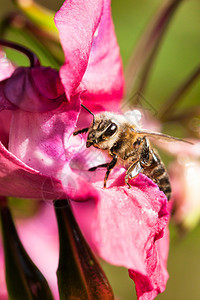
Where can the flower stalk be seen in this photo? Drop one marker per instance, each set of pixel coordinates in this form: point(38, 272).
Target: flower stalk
point(79, 274)
point(34, 61)
point(141, 61)
point(42, 41)
point(174, 99)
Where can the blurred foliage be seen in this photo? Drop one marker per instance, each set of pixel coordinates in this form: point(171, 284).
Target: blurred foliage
point(178, 56)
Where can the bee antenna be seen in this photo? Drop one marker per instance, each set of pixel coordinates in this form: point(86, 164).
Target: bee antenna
point(89, 112)
point(87, 109)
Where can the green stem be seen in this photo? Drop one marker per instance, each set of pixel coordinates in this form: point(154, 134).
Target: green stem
point(174, 99)
point(17, 24)
point(144, 55)
point(187, 114)
point(34, 61)
point(48, 58)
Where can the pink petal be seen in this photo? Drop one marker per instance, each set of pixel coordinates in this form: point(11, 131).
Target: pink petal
point(34, 89)
point(103, 78)
point(156, 265)
point(184, 174)
point(143, 210)
point(5, 117)
point(44, 142)
point(19, 180)
point(3, 289)
point(77, 22)
point(44, 145)
point(47, 82)
point(125, 226)
point(91, 51)
point(4, 102)
point(6, 68)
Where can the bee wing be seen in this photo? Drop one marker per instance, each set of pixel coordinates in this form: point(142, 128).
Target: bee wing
point(160, 136)
point(136, 170)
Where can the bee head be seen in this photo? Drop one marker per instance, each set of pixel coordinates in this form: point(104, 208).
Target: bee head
point(101, 132)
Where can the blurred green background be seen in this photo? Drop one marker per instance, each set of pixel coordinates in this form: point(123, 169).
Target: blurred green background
point(178, 56)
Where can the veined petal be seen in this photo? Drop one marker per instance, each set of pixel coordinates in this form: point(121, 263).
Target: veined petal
point(148, 287)
point(4, 102)
point(103, 79)
point(43, 144)
point(36, 89)
point(91, 50)
point(78, 188)
point(77, 22)
point(125, 226)
point(5, 117)
point(19, 180)
point(143, 212)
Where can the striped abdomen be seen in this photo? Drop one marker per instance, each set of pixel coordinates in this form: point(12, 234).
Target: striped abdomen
point(156, 170)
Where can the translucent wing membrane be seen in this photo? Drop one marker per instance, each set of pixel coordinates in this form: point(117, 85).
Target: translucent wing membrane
point(160, 136)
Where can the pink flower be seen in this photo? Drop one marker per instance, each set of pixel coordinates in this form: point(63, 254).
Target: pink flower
point(44, 161)
point(184, 172)
point(34, 88)
point(92, 61)
point(124, 226)
point(3, 290)
point(19, 179)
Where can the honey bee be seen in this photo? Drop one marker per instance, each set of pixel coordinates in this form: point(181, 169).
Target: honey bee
point(127, 143)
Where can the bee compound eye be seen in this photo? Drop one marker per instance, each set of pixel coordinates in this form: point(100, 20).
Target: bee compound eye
point(111, 129)
point(113, 126)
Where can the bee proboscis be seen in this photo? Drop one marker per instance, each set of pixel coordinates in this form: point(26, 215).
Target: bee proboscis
point(124, 140)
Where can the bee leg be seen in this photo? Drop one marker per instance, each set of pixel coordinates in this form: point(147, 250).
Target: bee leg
point(106, 165)
point(80, 131)
point(110, 166)
point(126, 181)
point(133, 171)
point(99, 166)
